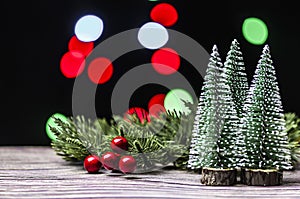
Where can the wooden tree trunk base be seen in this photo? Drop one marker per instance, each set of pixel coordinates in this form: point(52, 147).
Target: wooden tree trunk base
point(218, 177)
point(261, 177)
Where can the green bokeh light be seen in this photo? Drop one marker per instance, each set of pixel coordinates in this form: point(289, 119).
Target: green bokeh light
point(174, 101)
point(50, 122)
point(255, 31)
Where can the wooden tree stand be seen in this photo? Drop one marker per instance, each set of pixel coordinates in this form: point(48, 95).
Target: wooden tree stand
point(221, 177)
point(261, 177)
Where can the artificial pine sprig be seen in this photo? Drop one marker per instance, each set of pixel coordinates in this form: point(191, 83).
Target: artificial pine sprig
point(94, 135)
point(162, 141)
point(292, 123)
point(143, 144)
point(183, 133)
point(79, 137)
point(67, 143)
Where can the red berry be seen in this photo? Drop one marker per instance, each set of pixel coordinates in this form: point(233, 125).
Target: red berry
point(119, 144)
point(127, 164)
point(92, 163)
point(110, 160)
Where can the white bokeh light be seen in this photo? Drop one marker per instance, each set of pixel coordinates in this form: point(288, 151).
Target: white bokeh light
point(89, 28)
point(153, 35)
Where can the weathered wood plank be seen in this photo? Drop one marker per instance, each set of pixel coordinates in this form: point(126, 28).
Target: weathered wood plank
point(37, 172)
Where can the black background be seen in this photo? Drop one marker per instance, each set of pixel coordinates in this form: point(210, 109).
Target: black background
point(35, 35)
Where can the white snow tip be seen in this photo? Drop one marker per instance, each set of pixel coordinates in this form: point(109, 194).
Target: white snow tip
point(266, 48)
point(215, 47)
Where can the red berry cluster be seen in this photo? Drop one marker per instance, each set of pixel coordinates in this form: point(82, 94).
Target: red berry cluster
point(112, 160)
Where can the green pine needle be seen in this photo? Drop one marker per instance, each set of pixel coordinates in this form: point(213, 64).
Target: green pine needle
point(293, 131)
point(67, 143)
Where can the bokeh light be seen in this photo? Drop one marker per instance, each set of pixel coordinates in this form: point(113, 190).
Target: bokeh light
point(165, 61)
point(51, 122)
point(84, 47)
point(153, 35)
point(141, 113)
point(100, 70)
point(174, 101)
point(89, 28)
point(255, 30)
point(156, 104)
point(165, 14)
point(72, 64)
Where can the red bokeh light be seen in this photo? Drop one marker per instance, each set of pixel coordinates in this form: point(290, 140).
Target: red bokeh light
point(72, 64)
point(165, 14)
point(84, 47)
point(100, 70)
point(156, 105)
point(165, 61)
point(141, 113)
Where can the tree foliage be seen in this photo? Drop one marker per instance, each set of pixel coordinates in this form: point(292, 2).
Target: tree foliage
point(216, 121)
point(265, 143)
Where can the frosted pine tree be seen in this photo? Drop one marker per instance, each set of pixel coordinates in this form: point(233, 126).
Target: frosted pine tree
point(215, 126)
point(265, 143)
point(205, 100)
point(194, 153)
point(236, 76)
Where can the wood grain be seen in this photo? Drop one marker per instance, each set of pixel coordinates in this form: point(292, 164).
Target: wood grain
point(37, 172)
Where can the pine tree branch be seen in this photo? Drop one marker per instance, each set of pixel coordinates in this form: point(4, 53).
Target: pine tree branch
point(67, 143)
point(158, 142)
point(292, 122)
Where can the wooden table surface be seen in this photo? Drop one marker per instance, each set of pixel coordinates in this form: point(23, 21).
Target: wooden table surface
point(37, 172)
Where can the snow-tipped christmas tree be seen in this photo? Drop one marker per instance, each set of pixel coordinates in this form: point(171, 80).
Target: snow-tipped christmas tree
point(236, 76)
point(265, 143)
point(216, 121)
point(205, 99)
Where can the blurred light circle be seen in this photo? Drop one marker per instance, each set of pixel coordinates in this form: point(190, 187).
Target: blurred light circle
point(175, 101)
point(165, 14)
point(100, 70)
point(89, 28)
point(153, 35)
point(255, 30)
point(84, 47)
point(72, 64)
point(165, 61)
point(156, 104)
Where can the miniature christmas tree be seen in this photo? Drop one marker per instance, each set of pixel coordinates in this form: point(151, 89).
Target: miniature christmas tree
point(265, 143)
point(236, 76)
point(215, 127)
point(205, 101)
